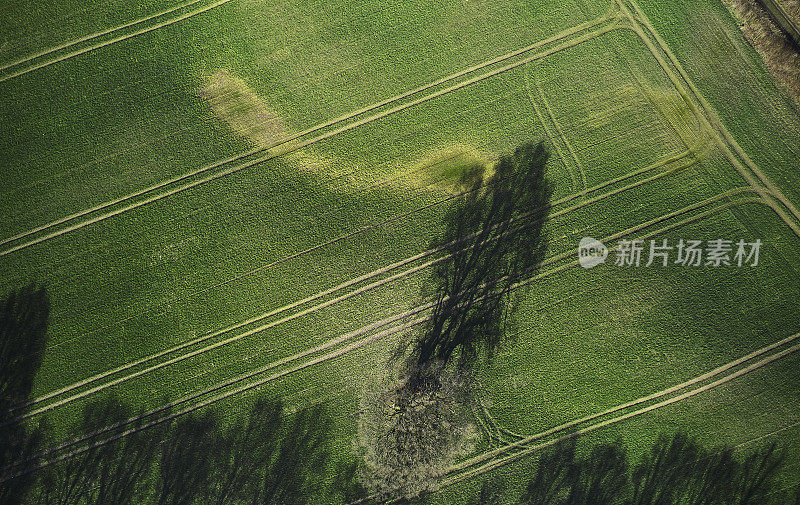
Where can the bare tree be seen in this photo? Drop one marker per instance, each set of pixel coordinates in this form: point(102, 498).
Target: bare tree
point(409, 437)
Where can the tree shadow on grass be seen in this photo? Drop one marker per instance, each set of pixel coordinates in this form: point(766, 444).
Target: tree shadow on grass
point(493, 239)
point(677, 470)
point(24, 316)
point(260, 458)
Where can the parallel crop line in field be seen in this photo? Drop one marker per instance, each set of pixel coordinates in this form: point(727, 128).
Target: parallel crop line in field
point(559, 131)
point(298, 146)
point(96, 35)
point(241, 377)
point(114, 40)
point(341, 237)
point(221, 343)
point(130, 149)
point(705, 114)
point(644, 399)
point(685, 210)
point(726, 206)
point(708, 119)
point(330, 291)
point(762, 363)
point(376, 225)
point(386, 321)
point(639, 401)
point(636, 228)
point(503, 460)
point(768, 435)
point(364, 229)
point(303, 133)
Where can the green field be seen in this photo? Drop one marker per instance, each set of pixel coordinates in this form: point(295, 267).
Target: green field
point(235, 255)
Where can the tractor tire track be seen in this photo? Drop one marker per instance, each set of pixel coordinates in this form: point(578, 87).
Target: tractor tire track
point(339, 352)
point(581, 431)
point(610, 25)
point(560, 133)
point(93, 36)
point(702, 109)
point(378, 324)
point(547, 131)
point(100, 45)
point(493, 459)
point(327, 292)
point(346, 236)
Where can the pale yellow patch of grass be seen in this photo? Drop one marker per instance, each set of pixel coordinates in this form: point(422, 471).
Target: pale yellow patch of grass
point(451, 169)
point(680, 118)
point(237, 105)
point(234, 103)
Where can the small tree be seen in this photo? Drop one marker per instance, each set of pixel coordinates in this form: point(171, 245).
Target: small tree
point(409, 437)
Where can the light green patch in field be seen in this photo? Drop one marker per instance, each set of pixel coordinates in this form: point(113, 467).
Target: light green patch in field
point(678, 115)
point(174, 252)
point(311, 161)
point(236, 104)
point(453, 168)
point(339, 173)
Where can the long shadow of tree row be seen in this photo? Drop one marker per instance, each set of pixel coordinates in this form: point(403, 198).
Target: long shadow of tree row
point(676, 471)
point(24, 317)
point(262, 457)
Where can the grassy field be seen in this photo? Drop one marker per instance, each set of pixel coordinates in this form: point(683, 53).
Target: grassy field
point(239, 256)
